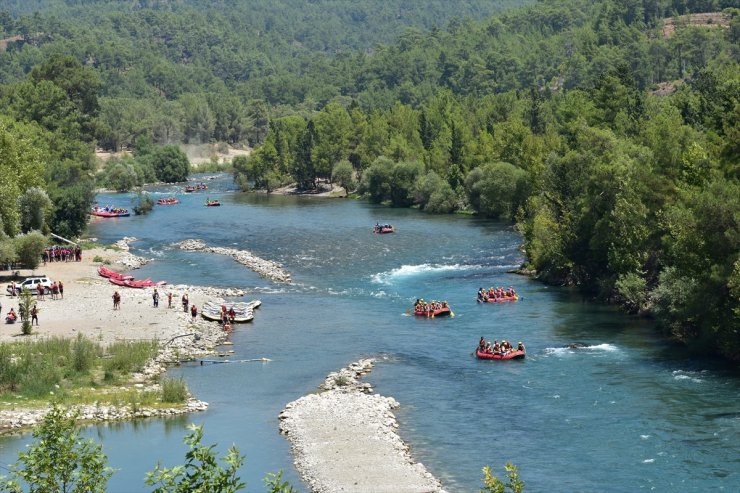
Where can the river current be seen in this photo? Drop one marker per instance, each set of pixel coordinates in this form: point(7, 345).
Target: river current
point(628, 413)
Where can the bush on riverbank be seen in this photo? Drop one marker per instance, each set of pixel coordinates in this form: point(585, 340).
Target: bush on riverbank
point(66, 368)
point(174, 390)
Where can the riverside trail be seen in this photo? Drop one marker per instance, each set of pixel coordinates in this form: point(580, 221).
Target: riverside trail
point(627, 413)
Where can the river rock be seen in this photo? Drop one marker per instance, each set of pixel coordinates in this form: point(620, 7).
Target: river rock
point(266, 268)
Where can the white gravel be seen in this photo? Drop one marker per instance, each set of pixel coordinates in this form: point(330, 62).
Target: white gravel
point(345, 440)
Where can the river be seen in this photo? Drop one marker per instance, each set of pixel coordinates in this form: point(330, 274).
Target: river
point(628, 413)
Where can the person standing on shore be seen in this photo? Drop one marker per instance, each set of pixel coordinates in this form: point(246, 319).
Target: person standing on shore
point(185, 302)
point(155, 298)
point(34, 315)
point(116, 301)
point(61, 290)
point(40, 291)
point(169, 300)
point(194, 311)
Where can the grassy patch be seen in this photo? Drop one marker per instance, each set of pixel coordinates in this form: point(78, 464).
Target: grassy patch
point(129, 357)
point(77, 371)
point(174, 390)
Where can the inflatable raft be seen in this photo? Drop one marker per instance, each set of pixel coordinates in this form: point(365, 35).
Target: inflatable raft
point(440, 312)
point(503, 299)
point(509, 355)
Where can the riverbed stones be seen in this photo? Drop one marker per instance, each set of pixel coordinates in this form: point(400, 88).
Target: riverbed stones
point(344, 439)
point(265, 268)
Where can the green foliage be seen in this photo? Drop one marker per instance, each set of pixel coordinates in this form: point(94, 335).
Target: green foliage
point(201, 471)
point(129, 356)
point(275, 483)
point(376, 180)
point(170, 164)
point(497, 189)
point(494, 485)
point(60, 460)
point(144, 205)
point(174, 390)
point(29, 248)
point(71, 208)
point(35, 208)
point(344, 175)
point(84, 354)
point(25, 304)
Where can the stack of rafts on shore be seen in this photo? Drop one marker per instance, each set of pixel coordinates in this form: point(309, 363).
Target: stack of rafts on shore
point(127, 281)
point(234, 312)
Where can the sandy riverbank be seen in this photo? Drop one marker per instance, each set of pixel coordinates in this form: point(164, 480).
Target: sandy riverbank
point(87, 308)
point(344, 439)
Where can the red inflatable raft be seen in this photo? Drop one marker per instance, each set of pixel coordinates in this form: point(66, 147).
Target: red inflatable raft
point(113, 275)
point(110, 213)
point(441, 312)
point(502, 299)
point(509, 355)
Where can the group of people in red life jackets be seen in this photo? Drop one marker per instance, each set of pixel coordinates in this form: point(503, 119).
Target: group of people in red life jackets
point(496, 348)
point(495, 293)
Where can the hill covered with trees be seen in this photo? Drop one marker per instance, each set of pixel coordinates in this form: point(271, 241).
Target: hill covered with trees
point(613, 146)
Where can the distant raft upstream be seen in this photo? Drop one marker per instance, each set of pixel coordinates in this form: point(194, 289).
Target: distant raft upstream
point(266, 268)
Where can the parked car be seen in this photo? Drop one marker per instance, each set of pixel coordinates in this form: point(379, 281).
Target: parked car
point(32, 284)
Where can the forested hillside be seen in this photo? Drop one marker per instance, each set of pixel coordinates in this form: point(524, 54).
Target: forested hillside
point(613, 146)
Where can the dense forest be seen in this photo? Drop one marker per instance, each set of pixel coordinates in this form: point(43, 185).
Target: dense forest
point(611, 142)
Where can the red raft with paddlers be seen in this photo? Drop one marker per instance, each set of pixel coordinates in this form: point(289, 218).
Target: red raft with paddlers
point(432, 309)
point(439, 312)
point(509, 355)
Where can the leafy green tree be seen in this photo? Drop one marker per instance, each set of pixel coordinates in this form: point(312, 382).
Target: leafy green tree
point(376, 180)
point(344, 175)
point(60, 460)
point(201, 471)
point(333, 130)
point(35, 207)
point(8, 254)
point(304, 166)
point(71, 208)
point(30, 246)
point(170, 164)
point(402, 182)
point(497, 189)
point(21, 168)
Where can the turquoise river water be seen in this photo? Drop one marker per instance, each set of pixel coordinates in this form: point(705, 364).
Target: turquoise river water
point(630, 413)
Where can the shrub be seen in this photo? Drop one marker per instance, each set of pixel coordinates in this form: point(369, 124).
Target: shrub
point(128, 357)
point(174, 390)
point(145, 205)
point(84, 354)
point(60, 459)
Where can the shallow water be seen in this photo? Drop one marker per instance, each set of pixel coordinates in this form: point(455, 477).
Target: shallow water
point(627, 414)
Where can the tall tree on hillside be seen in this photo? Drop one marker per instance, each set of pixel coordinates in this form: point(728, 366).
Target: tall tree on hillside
point(303, 169)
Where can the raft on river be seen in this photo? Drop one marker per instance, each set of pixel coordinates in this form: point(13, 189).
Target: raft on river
point(106, 212)
point(439, 312)
point(502, 299)
point(168, 201)
point(509, 355)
